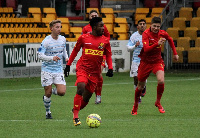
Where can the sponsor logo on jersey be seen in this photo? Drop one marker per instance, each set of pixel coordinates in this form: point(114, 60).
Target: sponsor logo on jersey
point(93, 52)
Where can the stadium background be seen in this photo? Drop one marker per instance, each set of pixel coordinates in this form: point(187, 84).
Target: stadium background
point(22, 111)
point(25, 22)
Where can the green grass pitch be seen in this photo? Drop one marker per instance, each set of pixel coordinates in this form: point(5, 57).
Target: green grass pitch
point(22, 113)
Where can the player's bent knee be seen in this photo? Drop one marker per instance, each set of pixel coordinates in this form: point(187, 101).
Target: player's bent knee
point(161, 82)
point(140, 87)
point(61, 93)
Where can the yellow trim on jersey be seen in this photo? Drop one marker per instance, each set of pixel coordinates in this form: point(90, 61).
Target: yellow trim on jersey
point(93, 52)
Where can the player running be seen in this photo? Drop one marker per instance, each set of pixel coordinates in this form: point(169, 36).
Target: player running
point(151, 61)
point(135, 45)
point(52, 51)
point(88, 67)
point(88, 29)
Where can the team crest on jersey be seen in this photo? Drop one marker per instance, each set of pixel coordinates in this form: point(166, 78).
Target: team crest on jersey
point(101, 46)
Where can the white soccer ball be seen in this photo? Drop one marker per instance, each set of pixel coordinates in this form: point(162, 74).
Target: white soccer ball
point(93, 120)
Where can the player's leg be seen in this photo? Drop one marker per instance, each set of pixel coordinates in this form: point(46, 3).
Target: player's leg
point(46, 81)
point(138, 92)
point(159, 72)
point(98, 90)
point(89, 89)
point(133, 74)
point(60, 84)
point(160, 90)
point(99, 85)
point(144, 70)
point(60, 89)
point(81, 99)
point(86, 97)
point(144, 90)
point(135, 86)
point(47, 101)
point(78, 98)
point(135, 81)
point(77, 102)
point(81, 82)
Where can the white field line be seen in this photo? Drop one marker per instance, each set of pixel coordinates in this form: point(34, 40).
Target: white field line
point(191, 79)
point(106, 120)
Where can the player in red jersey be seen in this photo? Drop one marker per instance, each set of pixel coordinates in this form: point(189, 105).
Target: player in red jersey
point(88, 67)
point(88, 29)
point(151, 61)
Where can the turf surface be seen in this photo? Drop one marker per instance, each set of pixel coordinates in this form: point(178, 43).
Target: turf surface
point(23, 113)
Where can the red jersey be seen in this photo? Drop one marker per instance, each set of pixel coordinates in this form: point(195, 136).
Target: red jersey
point(151, 51)
point(93, 49)
point(88, 29)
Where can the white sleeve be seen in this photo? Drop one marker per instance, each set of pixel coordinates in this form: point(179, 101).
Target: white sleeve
point(130, 48)
point(41, 53)
point(44, 57)
point(65, 55)
point(130, 45)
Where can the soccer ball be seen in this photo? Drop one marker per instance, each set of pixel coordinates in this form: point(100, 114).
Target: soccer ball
point(93, 120)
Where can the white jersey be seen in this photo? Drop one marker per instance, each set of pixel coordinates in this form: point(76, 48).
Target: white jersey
point(50, 48)
point(131, 46)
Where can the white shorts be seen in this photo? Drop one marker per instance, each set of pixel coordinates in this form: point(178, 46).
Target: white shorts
point(134, 69)
point(48, 78)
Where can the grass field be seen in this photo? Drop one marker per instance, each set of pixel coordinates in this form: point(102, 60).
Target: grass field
point(23, 113)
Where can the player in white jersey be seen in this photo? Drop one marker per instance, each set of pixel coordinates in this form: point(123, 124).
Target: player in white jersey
point(52, 51)
point(135, 45)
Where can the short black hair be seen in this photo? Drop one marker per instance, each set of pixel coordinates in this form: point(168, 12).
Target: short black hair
point(141, 20)
point(94, 21)
point(156, 20)
point(93, 11)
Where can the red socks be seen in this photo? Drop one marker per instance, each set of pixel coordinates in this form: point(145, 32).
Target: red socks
point(99, 87)
point(160, 90)
point(137, 97)
point(77, 105)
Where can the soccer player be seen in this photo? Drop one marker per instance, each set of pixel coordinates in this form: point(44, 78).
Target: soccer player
point(88, 67)
point(88, 29)
point(52, 51)
point(135, 45)
point(151, 61)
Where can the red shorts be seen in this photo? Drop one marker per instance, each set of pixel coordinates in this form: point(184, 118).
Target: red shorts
point(145, 69)
point(89, 80)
